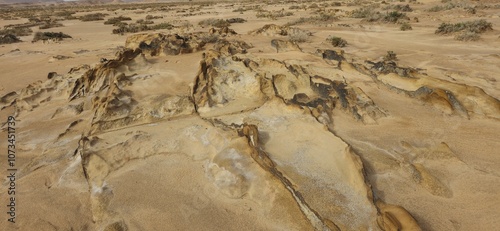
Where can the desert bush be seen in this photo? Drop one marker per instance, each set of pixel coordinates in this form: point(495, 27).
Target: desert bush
point(467, 36)
point(49, 35)
point(403, 8)
point(209, 38)
point(142, 21)
point(134, 27)
point(17, 31)
point(323, 17)
point(294, 7)
point(476, 26)
point(50, 24)
point(299, 36)
point(9, 38)
point(465, 31)
point(394, 16)
point(405, 26)
point(64, 14)
point(362, 13)
point(121, 24)
point(131, 28)
point(116, 20)
point(214, 22)
point(92, 17)
point(313, 6)
point(273, 14)
point(438, 8)
point(470, 10)
point(247, 8)
point(336, 41)
point(150, 17)
point(164, 25)
point(236, 20)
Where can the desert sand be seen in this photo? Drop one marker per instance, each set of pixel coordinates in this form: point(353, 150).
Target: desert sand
point(250, 116)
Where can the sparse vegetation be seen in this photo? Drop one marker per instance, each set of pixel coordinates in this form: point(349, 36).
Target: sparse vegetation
point(17, 31)
point(451, 5)
point(9, 38)
point(374, 16)
point(405, 26)
point(92, 17)
point(336, 41)
point(58, 36)
point(116, 20)
point(236, 20)
point(151, 17)
point(362, 13)
point(470, 30)
point(313, 6)
point(295, 7)
point(402, 8)
point(214, 22)
point(467, 36)
point(50, 24)
point(273, 14)
point(134, 28)
point(394, 17)
point(146, 22)
point(163, 25)
point(247, 8)
point(209, 38)
point(299, 36)
point(477, 26)
point(323, 17)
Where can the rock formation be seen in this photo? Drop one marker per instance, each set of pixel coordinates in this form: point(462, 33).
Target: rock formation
point(248, 137)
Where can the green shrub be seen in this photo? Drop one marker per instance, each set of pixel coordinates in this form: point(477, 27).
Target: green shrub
point(394, 16)
point(337, 41)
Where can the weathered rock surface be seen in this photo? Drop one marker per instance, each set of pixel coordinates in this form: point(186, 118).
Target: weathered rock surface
point(242, 138)
point(284, 45)
point(166, 44)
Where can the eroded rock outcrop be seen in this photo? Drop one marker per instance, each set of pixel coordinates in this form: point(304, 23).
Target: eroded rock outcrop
point(284, 45)
point(254, 136)
point(166, 44)
point(216, 85)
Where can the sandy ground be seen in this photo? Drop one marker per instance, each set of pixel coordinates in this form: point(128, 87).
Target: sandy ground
point(147, 147)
